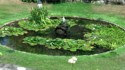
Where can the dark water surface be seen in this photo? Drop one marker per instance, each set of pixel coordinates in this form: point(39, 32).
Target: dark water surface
point(15, 42)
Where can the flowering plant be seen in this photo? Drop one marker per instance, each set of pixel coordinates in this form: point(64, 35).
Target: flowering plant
point(72, 61)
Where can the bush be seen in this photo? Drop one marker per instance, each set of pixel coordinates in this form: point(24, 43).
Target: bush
point(53, 1)
point(39, 15)
point(29, 1)
point(37, 21)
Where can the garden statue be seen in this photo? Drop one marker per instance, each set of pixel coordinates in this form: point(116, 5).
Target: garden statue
point(39, 3)
point(62, 29)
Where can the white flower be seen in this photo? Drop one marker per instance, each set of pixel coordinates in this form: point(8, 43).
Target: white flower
point(74, 58)
point(71, 61)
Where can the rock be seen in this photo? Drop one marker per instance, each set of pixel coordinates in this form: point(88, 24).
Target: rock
point(98, 2)
point(115, 2)
point(62, 29)
point(12, 67)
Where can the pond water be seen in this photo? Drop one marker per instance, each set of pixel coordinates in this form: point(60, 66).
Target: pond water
point(77, 31)
point(16, 43)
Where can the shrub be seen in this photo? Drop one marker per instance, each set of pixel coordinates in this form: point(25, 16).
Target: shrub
point(37, 21)
point(39, 15)
point(29, 1)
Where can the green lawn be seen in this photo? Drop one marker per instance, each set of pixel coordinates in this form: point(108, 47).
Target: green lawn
point(85, 10)
point(12, 11)
point(107, 61)
point(113, 60)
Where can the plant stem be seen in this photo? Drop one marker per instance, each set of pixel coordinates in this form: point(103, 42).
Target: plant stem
point(72, 66)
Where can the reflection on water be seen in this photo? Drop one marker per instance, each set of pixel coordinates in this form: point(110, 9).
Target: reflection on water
point(11, 42)
point(4, 40)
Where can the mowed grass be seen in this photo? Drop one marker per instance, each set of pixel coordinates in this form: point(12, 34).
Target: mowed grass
point(113, 60)
point(70, 9)
point(108, 61)
point(88, 11)
point(14, 9)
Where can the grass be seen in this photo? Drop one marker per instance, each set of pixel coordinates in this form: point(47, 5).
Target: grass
point(113, 60)
point(75, 9)
point(96, 62)
point(85, 10)
point(12, 11)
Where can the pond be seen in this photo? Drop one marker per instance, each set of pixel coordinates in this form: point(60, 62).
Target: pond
point(84, 37)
